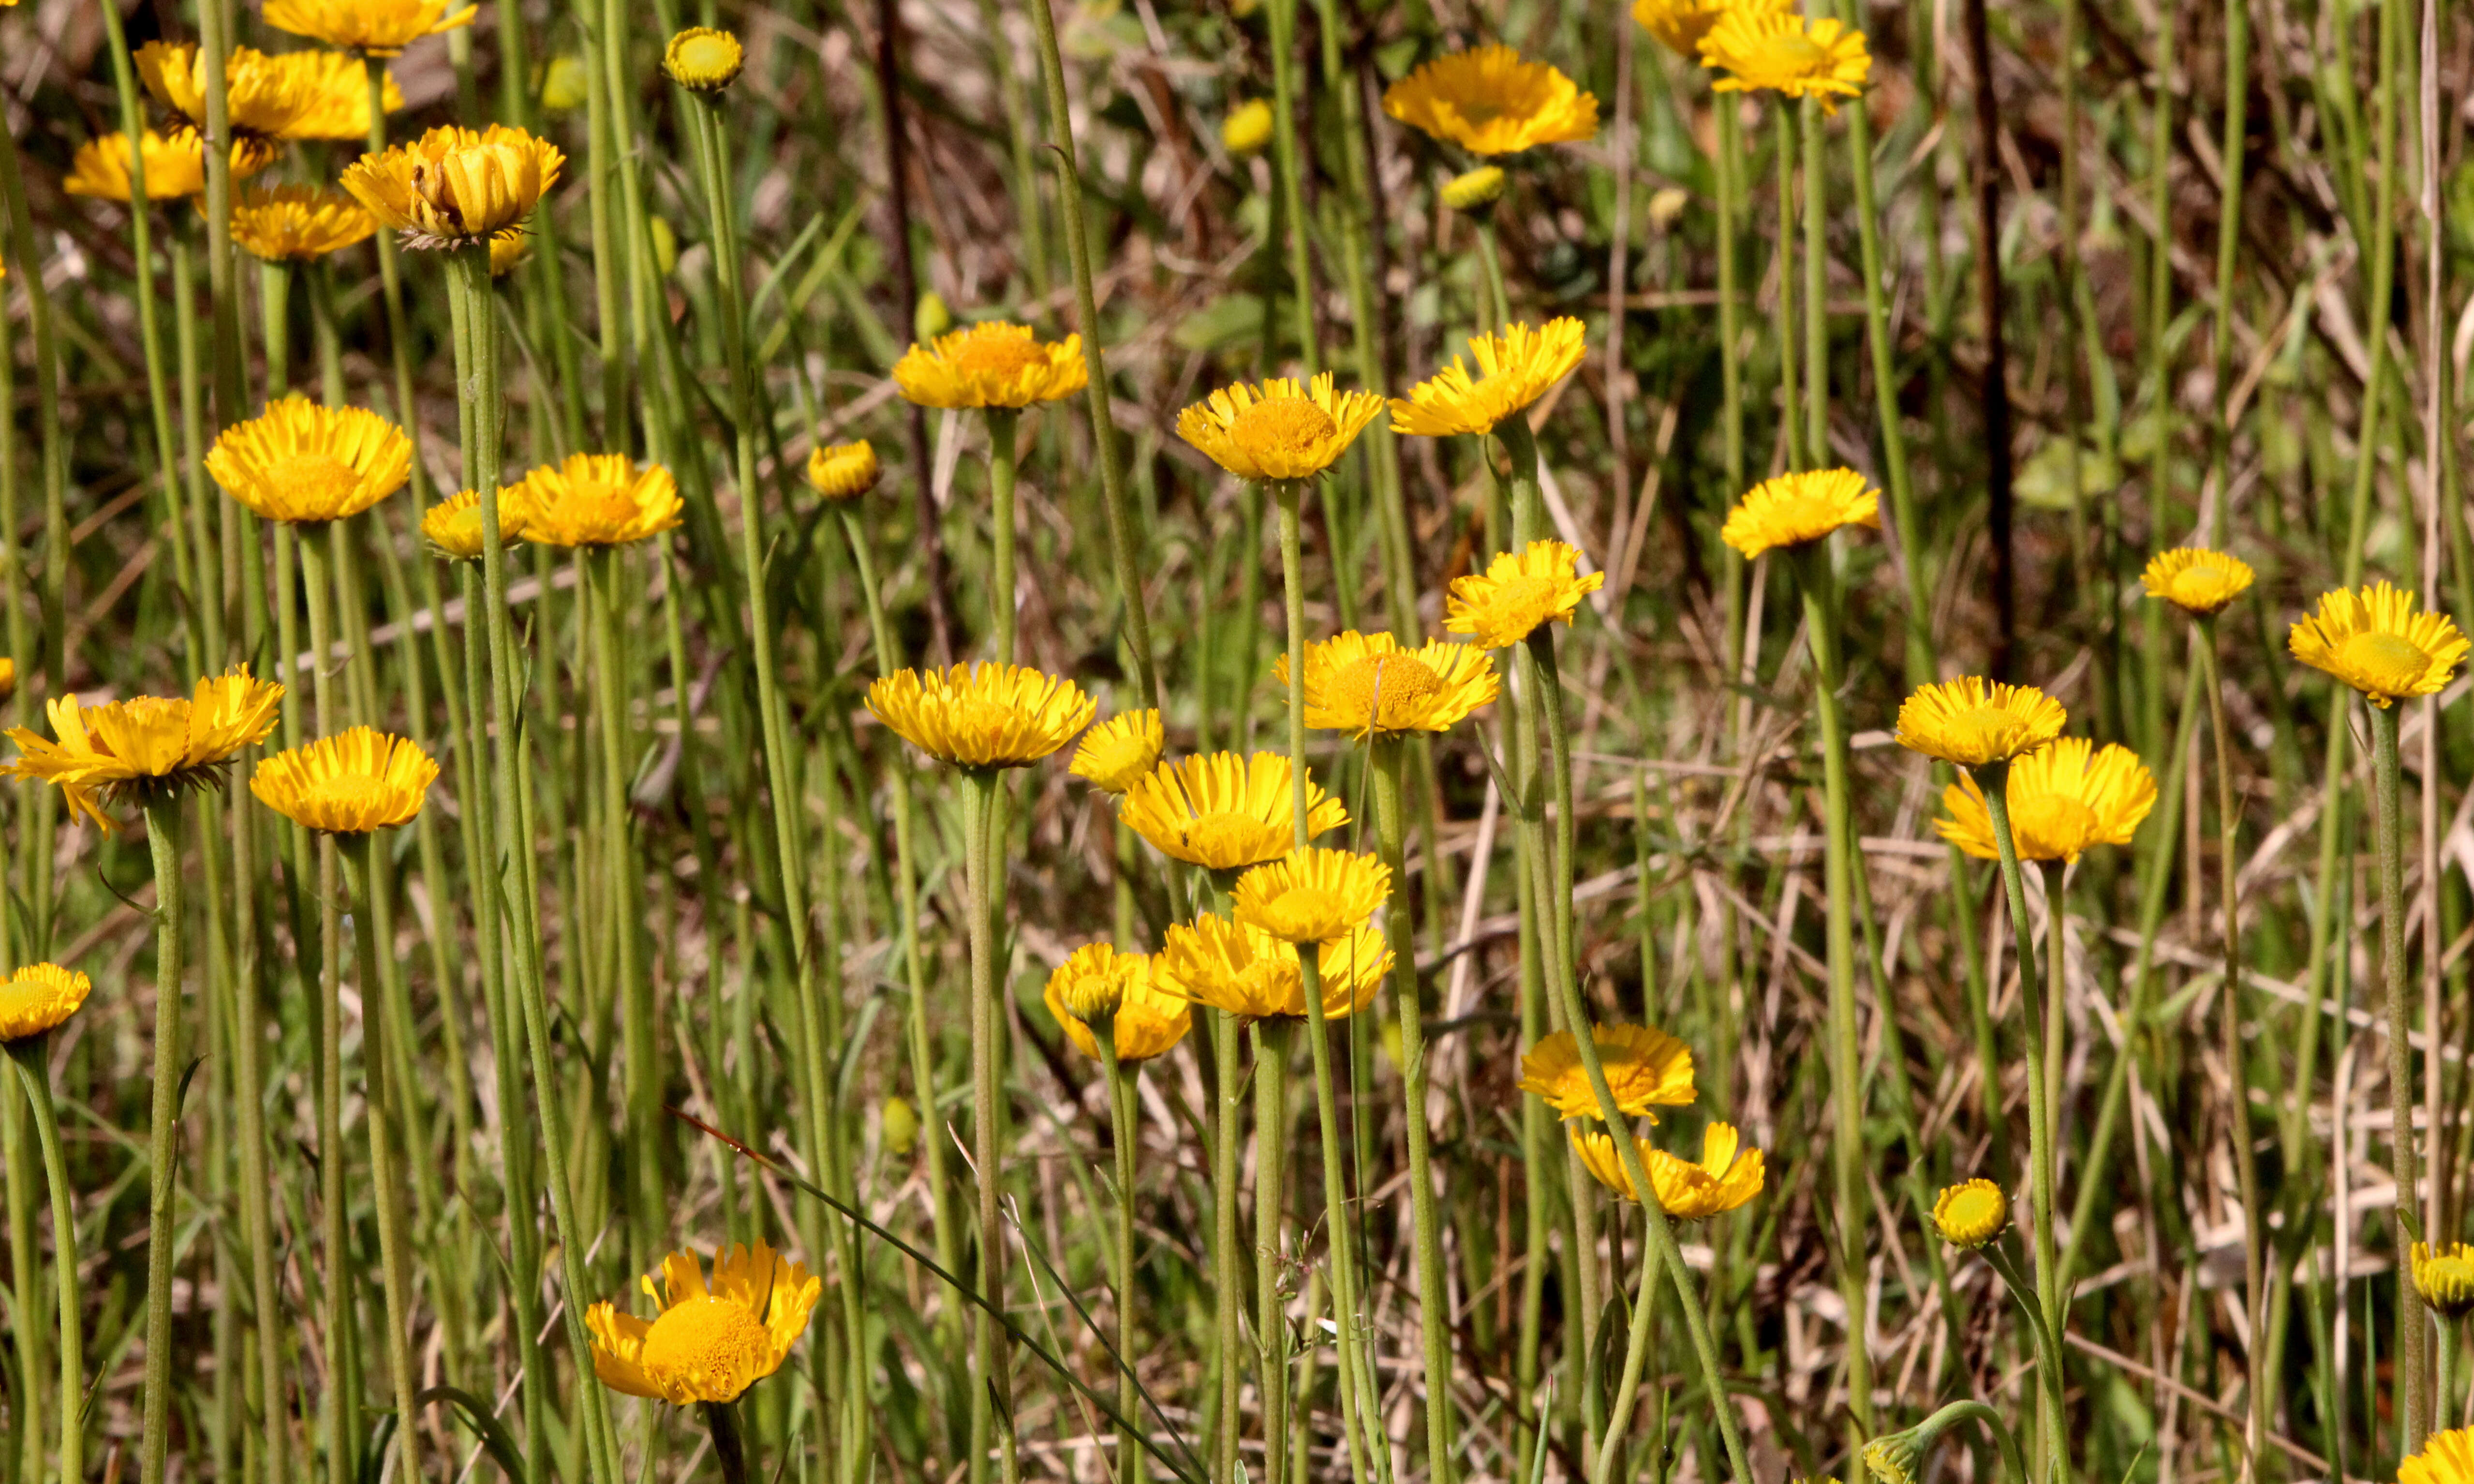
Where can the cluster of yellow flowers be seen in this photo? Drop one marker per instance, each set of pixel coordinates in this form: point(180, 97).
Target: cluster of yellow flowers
point(1645, 1070)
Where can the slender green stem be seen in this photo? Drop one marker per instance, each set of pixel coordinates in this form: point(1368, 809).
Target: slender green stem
point(1729, 170)
point(1644, 1304)
point(1496, 307)
point(1125, 1116)
point(729, 1449)
point(1227, 1256)
point(1271, 1049)
point(25, 1292)
point(1816, 314)
point(1340, 1224)
point(1289, 177)
point(2229, 212)
point(1003, 422)
point(2387, 832)
point(51, 449)
point(163, 1136)
point(993, 1364)
point(1798, 452)
point(386, 1174)
point(31, 1057)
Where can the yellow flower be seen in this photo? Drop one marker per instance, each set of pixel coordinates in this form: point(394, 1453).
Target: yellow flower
point(702, 60)
point(1727, 1176)
point(1248, 128)
point(38, 998)
point(1680, 24)
point(2445, 1278)
point(1367, 686)
point(595, 499)
point(992, 363)
point(1794, 509)
point(1224, 812)
point(175, 165)
point(264, 95)
point(1971, 1213)
point(1097, 981)
point(452, 187)
point(2374, 642)
point(1490, 102)
point(7, 677)
point(2064, 797)
point(2196, 580)
point(335, 93)
point(148, 747)
point(1119, 751)
point(454, 525)
point(1473, 190)
point(709, 1343)
point(2446, 1458)
point(373, 28)
point(843, 471)
point(1279, 431)
point(1311, 895)
point(1782, 52)
point(351, 783)
point(1973, 722)
point(1645, 1067)
point(300, 464)
point(982, 715)
point(1514, 369)
point(295, 223)
point(1520, 590)
point(1246, 972)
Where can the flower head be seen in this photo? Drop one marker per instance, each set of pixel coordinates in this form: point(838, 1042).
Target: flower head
point(1097, 983)
point(176, 164)
point(1894, 1457)
point(264, 95)
point(1248, 128)
point(148, 747)
point(703, 60)
point(335, 93)
point(1490, 102)
point(1973, 722)
point(710, 1341)
point(352, 783)
point(2445, 1278)
point(302, 464)
point(1520, 590)
point(1246, 972)
point(453, 187)
point(1311, 895)
point(1780, 50)
point(2196, 580)
point(843, 471)
point(991, 364)
point(1645, 1069)
point(982, 715)
point(1514, 369)
point(1367, 685)
point(38, 998)
point(1224, 812)
point(1279, 431)
point(1794, 509)
point(1727, 1176)
point(2374, 642)
point(1680, 24)
point(373, 28)
point(1971, 1213)
point(295, 223)
point(1473, 190)
point(2064, 797)
point(1119, 751)
point(595, 499)
point(454, 525)
point(2446, 1458)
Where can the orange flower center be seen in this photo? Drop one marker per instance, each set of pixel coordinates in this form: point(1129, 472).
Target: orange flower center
point(997, 356)
point(2388, 664)
point(711, 1340)
point(310, 482)
point(1283, 424)
point(1383, 689)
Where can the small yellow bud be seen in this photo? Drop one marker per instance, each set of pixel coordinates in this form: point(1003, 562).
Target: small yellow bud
point(843, 471)
point(1248, 128)
point(2445, 1278)
point(1971, 1213)
point(931, 319)
point(666, 245)
point(8, 679)
point(702, 60)
point(898, 1124)
point(1476, 191)
point(564, 84)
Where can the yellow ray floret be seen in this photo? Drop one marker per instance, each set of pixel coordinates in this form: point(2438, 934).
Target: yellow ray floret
point(2446, 1458)
point(1794, 509)
point(595, 499)
point(1278, 432)
point(992, 363)
point(300, 464)
point(295, 223)
point(1520, 591)
point(453, 187)
point(843, 471)
point(351, 783)
point(1367, 686)
point(454, 525)
point(1246, 972)
point(1119, 751)
point(1727, 1176)
point(1224, 812)
point(1777, 50)
point(1146, 1019)
point(374, 28)
point(264, 95)
point(39, 996)
point(702, 60)
point(147, 747)
point(1312, 896)
point(1645, 1069)
point(175, 165)
point(1971, 1213)
point(2445, 1277)
point(2374, 642)
point(1490, 102)
point(2063, 797)
point(710, 1341)
point(1972, 722)
point(982, 715)
point(335, 92)
point(2196, 580)
point(1514, 370)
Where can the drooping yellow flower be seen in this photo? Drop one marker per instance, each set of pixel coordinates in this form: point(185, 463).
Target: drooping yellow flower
point(453, 187)
point(373, 28)
point(175, 165)
point(1247, 129)
point(1974, 720)
point(991, 364)
point(300, 464)
point(983, 715)
point(1794, 509)
point(1514, 369)
point(148, 747)
point(1727, 1176)
point(2445, 1278)
point(2446, 1458)
point(39, 996)
point(702, 60)
point(2063, 797)
point(1645, 1067)
point(2374, 642)
point(454, 525)
point(1971, 1213)
point(352, 783)
point(1097, 981)
point(264, 95)
point(295, 223)
point(1520, 590)
point(1312, 896)
point(843, 471)
point(1490, 102)
point(595, 499)
point(335, 89)
point(2196, 580)
point(1119, 751)
point(1224, 812)
point(1278, 432)
point(1246, 972)
point(1779, 51)
point(1367, 686)
point(710, 1343)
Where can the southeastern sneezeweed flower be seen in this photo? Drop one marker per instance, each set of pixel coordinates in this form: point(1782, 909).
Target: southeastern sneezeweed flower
point(983, 715)
point(594, 499)
point(372, 28)
point(1490, 102)
point(454, 525)
point(991, 364)
point(1278, 432)
point(295, 223)
point(1224, 812)
point(2199, 582)
point(148, 747)
point(1775, 50)
point(2375, 641)
point(2064, 797)
point(1794, 509)
point(710, 1341)
point(175, 165)
point(1312, 895)
point(1248, 128)
point(702, 60)
point(1095, 984)
point(1246, 972)
point(1972, 722)
point(1367, 686)
point(453, 187)
point(1520, 591)
point(2445, 1458)
point(843, 471)
point(2445, 1278)
point(1727, 1176)
point(1514, 370)
point(302, 464)
point(352, 783)
point(38, 998)
point(1645, 1069)
point(1119, 751)
point(1971, 1213)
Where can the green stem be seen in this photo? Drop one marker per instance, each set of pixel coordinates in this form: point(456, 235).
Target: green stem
point(33, 1073)
point(992, 1363)
point(1289, 177)
point(1227, 1273)
point(729, 1450)
point(386, 1176)
point(1816, 323)
point(1644, 1302)
point(2387, 831)
point(163, 1136)
point(1271, 1049)
point(1729, 174)
point(1340, 1223)
point(1125, 1114)
point(1003, 422)
point(1799, 454)
point(1497, 307)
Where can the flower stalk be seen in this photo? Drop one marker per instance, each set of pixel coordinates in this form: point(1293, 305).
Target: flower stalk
point(992, 1363)
point(30, 1057)
point(2388, 852)
point(163, 835)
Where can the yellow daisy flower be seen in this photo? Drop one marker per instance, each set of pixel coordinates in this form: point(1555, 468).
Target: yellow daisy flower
point(2064, 797)
point(991, 364)
point(2446, 1458)
point(1971, 1213)
point(1097, 981)
point(39, 996)
point(295, 223)
point(1679, 25)
point(147, 747)
point(1224, 812)
point(351, 783)
point(1514, 369)
point(1279, 431)
point(703, 60)
point(1780, 50)
point(1645, 1067)
point(2374, 642)
point(595, 499)
point(175, 165)
point(454, 525)
point(1727, 1176)
point(1247, 129)
point(2196, 580)
point(1367, 686)
point(1974, 720)
point(1520, 590)
point(452, 187)
point(1119, 751)
point(843, 471)
point(335, 94)
point(264, 95)
point(373, 28)
point(710, 1341)
point(301, 463)
point(1246, 972)
point(1490, 102)
point(2445, 1278)
point(983, 715)
point(1794, 509)
point(1312, 896)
